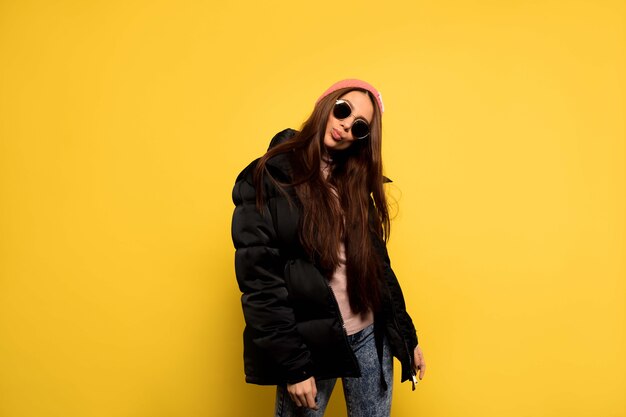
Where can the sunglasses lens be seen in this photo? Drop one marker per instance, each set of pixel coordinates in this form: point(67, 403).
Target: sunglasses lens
point(360, 129)
point(341, 110)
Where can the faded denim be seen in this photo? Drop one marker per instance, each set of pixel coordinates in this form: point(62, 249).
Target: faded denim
point(365, 396)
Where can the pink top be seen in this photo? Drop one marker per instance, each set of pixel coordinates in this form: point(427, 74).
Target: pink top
point(353, 323)
point(338, 283)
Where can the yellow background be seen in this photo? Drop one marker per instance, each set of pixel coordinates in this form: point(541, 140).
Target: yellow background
point(124, 124)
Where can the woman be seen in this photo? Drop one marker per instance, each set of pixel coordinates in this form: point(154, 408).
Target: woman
point(320, 299)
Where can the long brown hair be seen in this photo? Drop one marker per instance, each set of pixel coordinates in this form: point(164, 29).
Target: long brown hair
point(356, 174)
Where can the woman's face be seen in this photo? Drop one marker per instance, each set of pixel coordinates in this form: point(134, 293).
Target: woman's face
point(338, 135)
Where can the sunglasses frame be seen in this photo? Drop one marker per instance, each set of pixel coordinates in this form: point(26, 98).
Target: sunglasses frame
point(356, 119)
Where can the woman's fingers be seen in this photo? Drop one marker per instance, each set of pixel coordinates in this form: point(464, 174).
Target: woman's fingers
point(419, 362)
point(312, 394)
point(291, 390)
point(310, 400)
point(303, 393)
point(295, 399)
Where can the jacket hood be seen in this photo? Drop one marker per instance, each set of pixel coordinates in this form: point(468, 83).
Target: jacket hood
point(281, 161)
point(282, 137)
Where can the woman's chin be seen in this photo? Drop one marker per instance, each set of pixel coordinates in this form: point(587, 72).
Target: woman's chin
point(333, 145)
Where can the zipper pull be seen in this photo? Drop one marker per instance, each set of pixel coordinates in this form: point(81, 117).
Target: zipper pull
point(413, 378)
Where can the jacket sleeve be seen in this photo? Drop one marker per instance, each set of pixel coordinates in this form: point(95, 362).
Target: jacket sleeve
point(260, 275)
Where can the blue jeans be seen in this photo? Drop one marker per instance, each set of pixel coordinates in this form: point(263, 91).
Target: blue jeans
point(365, 396)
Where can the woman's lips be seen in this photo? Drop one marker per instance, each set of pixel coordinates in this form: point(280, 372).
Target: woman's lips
point(335, 134)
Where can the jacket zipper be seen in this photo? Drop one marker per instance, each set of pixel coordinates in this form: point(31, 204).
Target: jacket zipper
point(343, 326)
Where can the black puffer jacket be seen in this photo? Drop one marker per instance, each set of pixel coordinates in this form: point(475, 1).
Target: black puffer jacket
point(293, 326)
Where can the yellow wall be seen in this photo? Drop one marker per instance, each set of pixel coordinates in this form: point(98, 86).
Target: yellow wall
point(123, 126)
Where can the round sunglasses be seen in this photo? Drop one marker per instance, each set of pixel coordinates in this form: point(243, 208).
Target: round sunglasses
point(360, 128)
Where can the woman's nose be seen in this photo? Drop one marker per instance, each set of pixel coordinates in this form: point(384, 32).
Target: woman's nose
point(347, 122)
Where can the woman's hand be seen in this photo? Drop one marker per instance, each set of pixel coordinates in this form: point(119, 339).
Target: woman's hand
point(303, 393)
point(418, 362)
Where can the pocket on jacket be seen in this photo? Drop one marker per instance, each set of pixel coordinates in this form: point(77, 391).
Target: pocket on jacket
point(308, 291)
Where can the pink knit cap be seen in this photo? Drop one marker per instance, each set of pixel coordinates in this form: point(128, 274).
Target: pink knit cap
point(358, 84)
